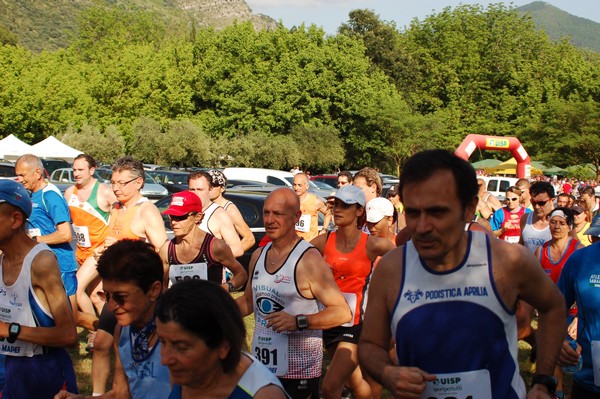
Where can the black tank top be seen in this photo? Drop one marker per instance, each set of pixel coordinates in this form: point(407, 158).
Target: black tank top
point(214, 269)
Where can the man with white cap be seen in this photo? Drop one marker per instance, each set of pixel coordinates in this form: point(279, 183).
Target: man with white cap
point(381, 218)
point(579, 282)
point(34, 333)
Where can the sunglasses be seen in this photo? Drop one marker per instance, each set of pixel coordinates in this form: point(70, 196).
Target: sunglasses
point(539, 203)
point(512, 199)
point(180, 218)
point(342, 204)
point(119, 297)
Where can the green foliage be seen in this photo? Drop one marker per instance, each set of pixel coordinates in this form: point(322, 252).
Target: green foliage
point(559, 24)
point(7, 37)
point(102, 146)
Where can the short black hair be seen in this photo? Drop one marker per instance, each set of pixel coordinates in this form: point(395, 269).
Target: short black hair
point(88, 158)
point(131, 261)
point(204, 309)
point(540, 187)
point(425, 164)
point(198, 174)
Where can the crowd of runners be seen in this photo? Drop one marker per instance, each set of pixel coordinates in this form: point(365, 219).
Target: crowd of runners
point(424, 293)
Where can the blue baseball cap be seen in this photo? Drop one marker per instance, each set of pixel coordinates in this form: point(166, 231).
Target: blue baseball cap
point(351, 194)
point(594, 229)
point(15, 194)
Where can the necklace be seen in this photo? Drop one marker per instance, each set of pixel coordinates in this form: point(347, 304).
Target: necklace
point(285, 253)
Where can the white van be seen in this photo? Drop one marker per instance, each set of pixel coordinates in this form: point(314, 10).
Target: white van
point(497, 185)
point(271, 176)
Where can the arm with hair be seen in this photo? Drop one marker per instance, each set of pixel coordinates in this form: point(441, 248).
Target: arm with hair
point(221, 222)
point(241, 227)
point(244, 301)
point(154, 228)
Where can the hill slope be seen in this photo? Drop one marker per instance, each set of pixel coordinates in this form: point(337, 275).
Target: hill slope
point(51, 24)
point(558, 23)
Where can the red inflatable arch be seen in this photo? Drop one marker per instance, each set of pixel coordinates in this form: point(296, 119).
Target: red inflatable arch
point(512, 144)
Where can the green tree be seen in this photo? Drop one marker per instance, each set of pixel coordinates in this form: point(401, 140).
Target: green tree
point(102, 146)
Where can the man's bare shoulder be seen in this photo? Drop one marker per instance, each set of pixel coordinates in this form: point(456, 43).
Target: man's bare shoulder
point(69, 192)
point(507, 256)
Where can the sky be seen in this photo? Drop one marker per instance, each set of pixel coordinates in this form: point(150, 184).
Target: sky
point(330, 14)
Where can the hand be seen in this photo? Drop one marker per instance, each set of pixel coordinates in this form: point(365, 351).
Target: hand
point(572, 329)
point(568, 356)
point(67, 395)
point(281, 321)
point(406, 382)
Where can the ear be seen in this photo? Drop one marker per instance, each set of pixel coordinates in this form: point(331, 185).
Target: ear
point(155, 290)
point(224, 349)
point(470, 209)
point(360, 211)
point(198, 218)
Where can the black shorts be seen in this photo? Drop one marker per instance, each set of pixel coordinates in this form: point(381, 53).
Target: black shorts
point(301, 388)
point(107, 321)
point(342, 334)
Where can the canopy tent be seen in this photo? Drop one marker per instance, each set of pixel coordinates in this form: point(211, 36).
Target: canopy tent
point(486, 163)
point(12, 148)
point(555, 170)
point(509, 167)
point(51, 147)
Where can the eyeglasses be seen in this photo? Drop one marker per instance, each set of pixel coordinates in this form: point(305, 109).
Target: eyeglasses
point(512, 199)
point(342, 183)
point(181, 218)
point(119, 297)
point(120, 184)
point(539, 203)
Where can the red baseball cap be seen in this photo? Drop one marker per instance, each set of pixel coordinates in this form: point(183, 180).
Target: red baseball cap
point(183, 203)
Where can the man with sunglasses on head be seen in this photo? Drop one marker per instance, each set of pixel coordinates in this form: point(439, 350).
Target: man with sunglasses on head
point(132, 275)
point(132, 217)
point(36, 321)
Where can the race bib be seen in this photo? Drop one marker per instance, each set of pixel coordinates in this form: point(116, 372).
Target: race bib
point(512, 239)
point(596, 361)
point(8, 313)
point(466, 385)
point(82, 236)
point(191, 271)
point(351, 300)
point(35, 232)
point(272, 351)
point(303, 224)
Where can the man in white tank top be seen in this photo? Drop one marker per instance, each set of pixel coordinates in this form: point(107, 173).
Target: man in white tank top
point(447, 297)
point(36, 324)
point(535, 229)
point(290, 282)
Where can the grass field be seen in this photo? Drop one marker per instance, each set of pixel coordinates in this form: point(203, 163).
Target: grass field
point(83, 362)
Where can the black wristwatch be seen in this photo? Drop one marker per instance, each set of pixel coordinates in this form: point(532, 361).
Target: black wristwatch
point(231, 286)
point(301, 322)
point(14, 329)
point(547, 380)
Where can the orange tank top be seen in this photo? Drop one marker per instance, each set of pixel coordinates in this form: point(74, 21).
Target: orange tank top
point(119, 225)
point(308, 225)
point(90, 223)
point(352, 272)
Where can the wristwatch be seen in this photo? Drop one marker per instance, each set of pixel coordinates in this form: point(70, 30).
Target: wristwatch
point(14, 329)
point(231, 286)
point(547, 380)
point(301, 322)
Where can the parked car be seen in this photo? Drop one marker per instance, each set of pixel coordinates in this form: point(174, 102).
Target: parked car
point(173, 181)
point(250, 204)
point(151, 190)
point(497, 185)
point(50, 165)
point(7, 171)
point(272, 176)
point(330, 180)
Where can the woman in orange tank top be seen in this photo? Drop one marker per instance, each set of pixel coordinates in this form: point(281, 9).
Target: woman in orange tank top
point(351, 254)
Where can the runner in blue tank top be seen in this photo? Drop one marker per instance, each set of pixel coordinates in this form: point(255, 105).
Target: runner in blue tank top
point(447, 298)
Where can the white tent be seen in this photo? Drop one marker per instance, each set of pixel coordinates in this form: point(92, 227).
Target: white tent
point(51, 147)
point(11, 147)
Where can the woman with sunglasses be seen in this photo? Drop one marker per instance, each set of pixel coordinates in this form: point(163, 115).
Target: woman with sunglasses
point(554, 253)
point(351, 254)
point(194, 253)
point(132, 275)
point(202, 336)
point(505, 222)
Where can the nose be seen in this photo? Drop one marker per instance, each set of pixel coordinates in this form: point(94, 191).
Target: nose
point(422, 224)
point(165, 355)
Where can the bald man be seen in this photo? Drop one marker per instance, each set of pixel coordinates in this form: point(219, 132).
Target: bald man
point(289, 281)
point(310, 206)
